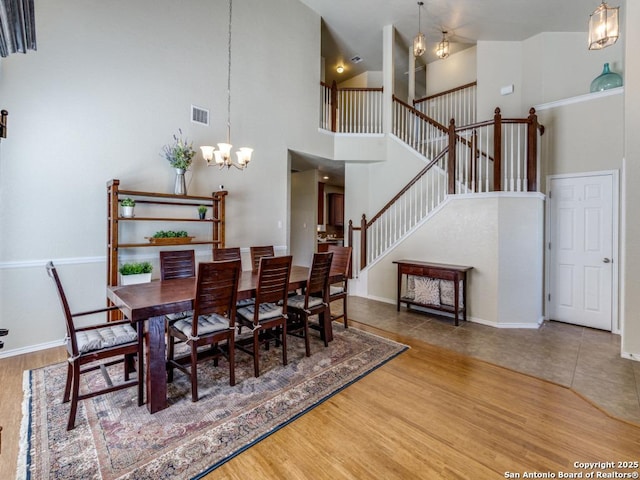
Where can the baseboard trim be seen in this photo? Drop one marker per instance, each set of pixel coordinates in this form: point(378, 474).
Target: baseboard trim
point(32, 348)
point(481, 321)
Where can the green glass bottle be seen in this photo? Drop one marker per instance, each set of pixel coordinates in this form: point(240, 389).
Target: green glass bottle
point(606, 80)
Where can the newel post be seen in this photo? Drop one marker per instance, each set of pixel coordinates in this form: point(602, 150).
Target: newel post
point(451, 166)
point(532, 150)
point(497, 151)
point(334, 105)
point(363, 242)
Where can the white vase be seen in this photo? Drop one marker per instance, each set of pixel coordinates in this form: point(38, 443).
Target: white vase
point(127, 212)
point(135, 278)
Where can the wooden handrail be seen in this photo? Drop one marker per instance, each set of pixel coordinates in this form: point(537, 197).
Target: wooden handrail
point(446, 92)
point(421, 115)
point(408, 186)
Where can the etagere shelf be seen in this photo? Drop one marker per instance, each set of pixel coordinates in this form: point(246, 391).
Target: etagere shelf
point(114, 195)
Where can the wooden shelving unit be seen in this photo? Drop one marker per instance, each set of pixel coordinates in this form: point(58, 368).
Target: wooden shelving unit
point(114, 220)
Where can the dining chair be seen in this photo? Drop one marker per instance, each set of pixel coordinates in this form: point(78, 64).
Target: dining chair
point(267, 318)
point(315, 301)
point(228, 253)
point(212, 322)
point(258, 252)
point(99, 347)
point(177, 264)
point(340, 265)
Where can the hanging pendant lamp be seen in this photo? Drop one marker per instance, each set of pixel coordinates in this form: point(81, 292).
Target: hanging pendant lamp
point(419, 42)
point(443, 47)
point(223, 156)
point(603, 27)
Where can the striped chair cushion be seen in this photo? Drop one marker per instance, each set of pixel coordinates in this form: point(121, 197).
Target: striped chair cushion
point(172, 317)
point(206, 324)
point(297, 301)
point(266, 311)
point(89, 340)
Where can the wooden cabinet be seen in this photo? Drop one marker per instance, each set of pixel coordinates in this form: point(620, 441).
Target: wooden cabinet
point(457, 274)
point(164, 202)
point(335, 209)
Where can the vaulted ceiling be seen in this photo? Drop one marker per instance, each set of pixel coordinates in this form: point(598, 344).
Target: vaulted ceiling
point(354, 27)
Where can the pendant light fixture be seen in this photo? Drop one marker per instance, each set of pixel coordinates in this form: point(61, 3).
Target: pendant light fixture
point(419, 42)
point(223, 154)
point(443, 47)
point(603, 27)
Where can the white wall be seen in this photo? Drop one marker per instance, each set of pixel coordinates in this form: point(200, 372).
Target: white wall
point(499, 65)
point(539, 70)
point(500, 236)
point(573, 142)
point(457, 69)
point(304, 216)
point(109, 85)
point(631, 180)
point(369, 79)
point(549, 78)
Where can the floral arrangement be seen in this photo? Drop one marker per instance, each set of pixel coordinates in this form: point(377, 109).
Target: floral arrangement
point(180, 153)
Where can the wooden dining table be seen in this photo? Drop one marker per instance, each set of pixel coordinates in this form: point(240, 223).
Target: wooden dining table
point(148, 303)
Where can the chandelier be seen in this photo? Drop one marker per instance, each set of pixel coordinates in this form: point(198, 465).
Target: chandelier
point(603, 27)
point(222, 156)
point(443, 47)
point(419, 42)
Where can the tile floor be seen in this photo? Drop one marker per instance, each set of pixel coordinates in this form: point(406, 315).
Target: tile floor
point(586, 360)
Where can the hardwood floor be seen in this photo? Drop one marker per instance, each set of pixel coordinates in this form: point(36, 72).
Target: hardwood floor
point(430, 413)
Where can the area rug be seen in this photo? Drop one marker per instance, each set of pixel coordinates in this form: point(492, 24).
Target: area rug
point(116, 439)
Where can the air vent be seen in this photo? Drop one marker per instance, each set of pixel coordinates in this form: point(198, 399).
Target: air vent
point(199, 115)
point(356, 59)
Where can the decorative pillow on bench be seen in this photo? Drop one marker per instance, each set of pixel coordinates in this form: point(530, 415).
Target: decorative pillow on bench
point(411, 287)
point(447, 293)
point(427, 291)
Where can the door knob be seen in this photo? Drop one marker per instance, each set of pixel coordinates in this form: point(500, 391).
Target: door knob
point(606, 260)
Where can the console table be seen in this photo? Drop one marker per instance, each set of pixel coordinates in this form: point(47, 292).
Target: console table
point(455, 273)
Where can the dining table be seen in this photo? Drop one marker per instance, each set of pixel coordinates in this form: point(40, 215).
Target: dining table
point(146, 304)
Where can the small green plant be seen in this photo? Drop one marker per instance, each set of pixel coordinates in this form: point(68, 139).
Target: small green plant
point(128, 202)
point(135, 268)
point(170, 234)
point(180, 153)
point(202, 209)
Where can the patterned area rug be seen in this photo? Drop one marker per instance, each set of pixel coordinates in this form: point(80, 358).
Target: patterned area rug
point(116, 439)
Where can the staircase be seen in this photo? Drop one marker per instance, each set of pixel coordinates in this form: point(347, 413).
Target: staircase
point(500, 154)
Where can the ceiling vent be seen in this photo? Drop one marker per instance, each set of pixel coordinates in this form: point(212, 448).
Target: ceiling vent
point(199, 115)
point(356, 59)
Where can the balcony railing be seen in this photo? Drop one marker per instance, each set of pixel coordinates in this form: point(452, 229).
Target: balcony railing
point(351, 110)
point(458, 103)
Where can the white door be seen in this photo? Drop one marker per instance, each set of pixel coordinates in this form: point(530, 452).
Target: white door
point(581, 221)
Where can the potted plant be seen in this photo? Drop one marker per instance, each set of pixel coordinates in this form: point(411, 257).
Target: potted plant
point(179, 154)
point(202, 211)
point(127, 207)
point(135, 272)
